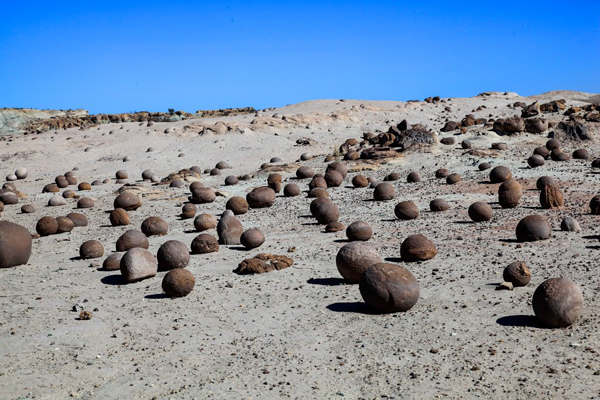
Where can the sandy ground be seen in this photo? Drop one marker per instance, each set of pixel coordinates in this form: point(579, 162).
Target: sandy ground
point(300, 332)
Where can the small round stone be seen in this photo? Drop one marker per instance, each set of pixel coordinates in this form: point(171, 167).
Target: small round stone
point(79, 220)
point(359, 230)
point(28, 209)
point(517, 273)
point(500, 174)
point(480, 211)
point(238, 205)
point(132, 239)
point(354, 258)
point(172, 254)
point(360, 181)
point(533, 228)
point(383, 191)
point(91, 249)
point(406, 210)
point(252, 238)
point(46, 226)
point(570, 224)
point(389, 288)
point(291, 190)
point(452, 179)
point(438, 205)
point(118, 217)
point(154, 226)
point(65, 225)
point(558, 302)
point(85, 202)
point(204, 243)
point(417, 248)
point(204, 222)
point(178, 283)
point(112, 262)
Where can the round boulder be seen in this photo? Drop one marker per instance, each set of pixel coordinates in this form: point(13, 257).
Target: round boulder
point(359, 230)
point(406, 210)
point(557, 302)
point(154, 226)
point(172, 254)
point(354, 258)
point(132, 239)
point(533, 228)
point(252, 238)
point(15, 245)
point(261, 197)
point(91, 249)
point(137, 264)
point(417, 248)
point(389, 288)
point(178, 283)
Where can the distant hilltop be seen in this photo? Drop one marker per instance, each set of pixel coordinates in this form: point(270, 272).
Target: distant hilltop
point(27, 121)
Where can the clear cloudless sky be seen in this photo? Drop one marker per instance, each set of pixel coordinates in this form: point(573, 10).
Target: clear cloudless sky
point(123, 56)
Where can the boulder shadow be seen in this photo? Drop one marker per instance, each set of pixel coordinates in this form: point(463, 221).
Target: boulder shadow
point(357, 307)
point(390, 220)
point(238, 248)
point(485, 183)
point(591, 237)
point(509, 241)
point(113, 280)
point(157, 296)
point(463, 222)
point(311, 223)
point(342, 241)
point(592, 247)
point(326, 281)
point(192, 231)
point(520, 321)
point(76, 258)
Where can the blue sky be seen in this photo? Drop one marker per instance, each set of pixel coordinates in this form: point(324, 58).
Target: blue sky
point(110, 57)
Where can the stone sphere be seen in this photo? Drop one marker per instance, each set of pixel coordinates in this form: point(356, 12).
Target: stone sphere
point(334, 227)
point(196, 185)
point(544, 181)
point(71, 180)
point(261, 197)
point(121, 174)
point(46, 226)
point(274, 182)
point(204, 222)
point(112, 262)
point(333, 178)
point(85, 202)
point(448, 141)
point(204, 243)
point(533, 228)
point(480, 211)
point(389, 288)
point(229, 229)
point(553, 144)
point(203, 195)
point(26, 209)
point(413, 177)
point(595, 205)
point(354, 258)
point(215, 172)
point(324, 210)
point(535, 161)
point(439, 205)
point(21, 173)
point(500, 174)
point(406, 210)
point(466, 144)
point(542, 152)
point(417, 248)
point(137, 264)
point(238, 205)
point(154, 226)
point(275, 160)
point(231, 180)
point(317, 192)
point(452, 179)
point(570, 224)
point(442, 173)
point(172, 254)
point(81, 186)
point(188, 211)
point(305, 156)
point(57, 201)
point(557, 302)
point(304, 172)
point(177, 183)
point(222, 165)
point(551, 197)
point(596, 163)
point(581, 154)
point(65, 225)
point(291, 190)
point(51, 188)
point(132, 239)
point(97, 182)
point(8, 197)
point(394, 176)
point(383, 191)
point(147, 174)
point(509, 193)
point(252, 238)
point(499, 146)
point(517, 273)
point(128, 201)
point(91, 249)
point(10, 186)
point(69, 194)
point(62, 182)
point(79, 220)
point(360, 181)
point(317, 182)
point(178, 283)
point(359, 230)
point(484, 166)
point(339, 167)
point(558, 155)
point(15, 245)
point(119, 217)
